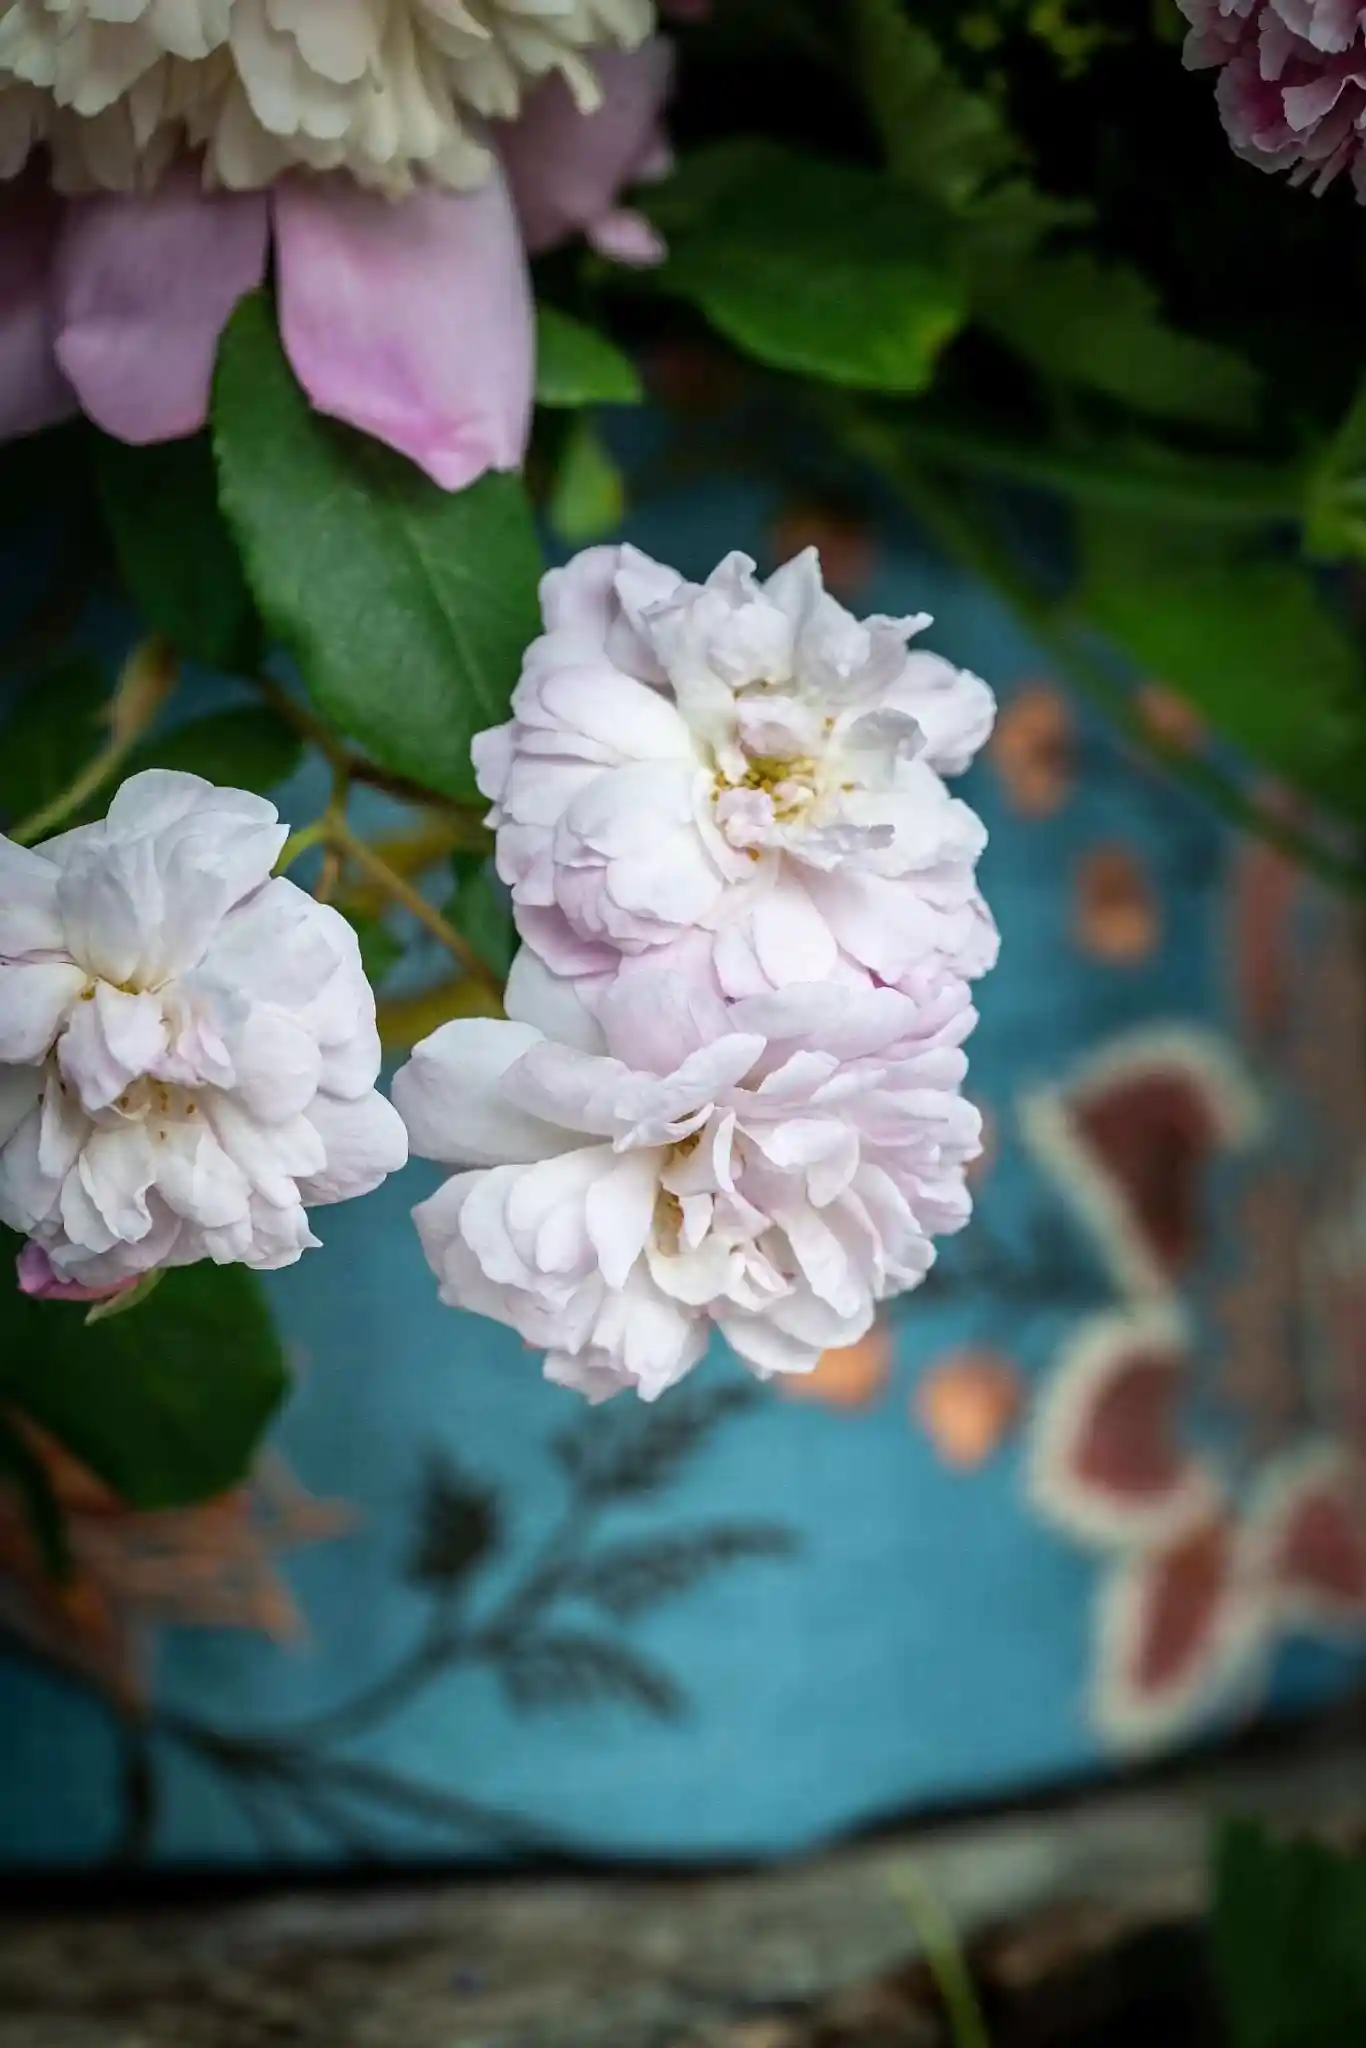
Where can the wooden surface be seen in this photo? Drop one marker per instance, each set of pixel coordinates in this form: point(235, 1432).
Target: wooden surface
point(1074, 1911)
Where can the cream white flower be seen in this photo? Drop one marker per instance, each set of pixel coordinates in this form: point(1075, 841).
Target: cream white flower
point(188, 1048)
point(740, 766)
point(391, 91)
point(770, 1169)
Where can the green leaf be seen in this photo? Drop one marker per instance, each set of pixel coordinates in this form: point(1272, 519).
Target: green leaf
point(1289, 1932)
point(1099, 325)
point(23, 1471)
point(54, 729)
point(575, 365)
point(589, 496)
point(482, 912)
point(938, 137)
point(248, 748)
point(1335, 513)
point(175, 550)
point(1245, 637)
point(166, 1406)
point(820, 268)
point(407, 608)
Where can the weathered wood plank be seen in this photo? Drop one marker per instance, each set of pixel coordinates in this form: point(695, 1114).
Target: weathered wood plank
point(820, 1954)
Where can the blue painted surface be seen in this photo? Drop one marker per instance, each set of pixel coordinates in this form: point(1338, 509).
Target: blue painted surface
point(932, 1637)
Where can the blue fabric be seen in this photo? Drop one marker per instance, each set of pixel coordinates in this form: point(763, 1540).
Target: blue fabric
point(900, 1622)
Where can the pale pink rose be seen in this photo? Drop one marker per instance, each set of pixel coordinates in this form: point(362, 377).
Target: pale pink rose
point(1292, 88)
point(410, 319)
point(38, 1278)
point(188, 1050)
point(677, 1166)
point(742, 760)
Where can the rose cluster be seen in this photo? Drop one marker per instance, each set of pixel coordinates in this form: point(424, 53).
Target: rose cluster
point(728, 1093)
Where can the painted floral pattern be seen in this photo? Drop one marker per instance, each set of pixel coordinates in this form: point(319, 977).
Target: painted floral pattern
point(1218, 1543)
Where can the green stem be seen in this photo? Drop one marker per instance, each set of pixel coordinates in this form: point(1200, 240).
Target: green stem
point(355, 767)
point(348, 843)
point(962, 537)
point(1222, 493)
point(301, 842)
point(940, 1948)
point(147, 679)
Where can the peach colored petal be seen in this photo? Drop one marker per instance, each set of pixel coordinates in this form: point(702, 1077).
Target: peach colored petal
point(1117, 917)
point(1170, 718)
point(967, 1404)
point(1032, 749)
point(851, 1377)
point(846, 544)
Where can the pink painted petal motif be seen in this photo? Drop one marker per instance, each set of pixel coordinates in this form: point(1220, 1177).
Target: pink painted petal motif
point(1128, 1138)
point(1310, 1532)
point(411, 320)
point(1108, 1463)
point(1180, 1628)
point(33, 391)
point(566, 168)
point(143, 288)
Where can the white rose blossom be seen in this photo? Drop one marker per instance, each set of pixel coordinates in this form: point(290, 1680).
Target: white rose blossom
point(770, 1169)
point(391, 91)
point(188, 1050)
point(740, 769)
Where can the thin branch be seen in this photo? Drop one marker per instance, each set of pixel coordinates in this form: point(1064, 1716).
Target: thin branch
point(146, 680)
point(358, 769)
point(400, 890)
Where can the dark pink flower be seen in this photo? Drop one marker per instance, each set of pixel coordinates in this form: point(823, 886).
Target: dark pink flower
point(1292, 89)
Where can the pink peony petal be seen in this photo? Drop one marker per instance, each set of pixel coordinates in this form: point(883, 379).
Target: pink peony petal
point(410, 320)
point(144, 288)
point(625, 236)
point(566, 168)
point(33, 391)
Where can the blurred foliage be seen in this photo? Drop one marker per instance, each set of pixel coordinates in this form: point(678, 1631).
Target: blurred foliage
point(1289, 1939)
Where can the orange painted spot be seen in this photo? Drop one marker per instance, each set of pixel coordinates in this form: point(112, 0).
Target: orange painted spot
point(1031, 750)
point(966, 1405)
point(1117, 917)
point(1170, 718)
point(846, 545)
point(848, 1378)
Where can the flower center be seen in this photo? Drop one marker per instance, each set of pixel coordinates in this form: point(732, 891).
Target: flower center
point(155, 1103)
